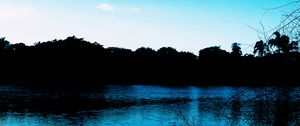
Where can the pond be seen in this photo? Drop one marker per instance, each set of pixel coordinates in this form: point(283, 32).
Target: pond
point(139, 105)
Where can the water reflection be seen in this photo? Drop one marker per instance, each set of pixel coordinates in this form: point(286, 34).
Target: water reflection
point(149, 106)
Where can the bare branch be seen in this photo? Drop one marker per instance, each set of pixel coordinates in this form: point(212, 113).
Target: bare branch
point(296, 1)
point(288, 23)
point(263, 28)
point(257, 30)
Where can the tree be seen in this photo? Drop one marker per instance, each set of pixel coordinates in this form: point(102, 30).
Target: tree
point(4, 43)
point(261, 48)
point(291, 19)
point(236, 49)
point(18, 47)
point(116, 51)
point(145, 51)
point(213, 52)
point(282, 43)
point(167, 51)
point(289, 25)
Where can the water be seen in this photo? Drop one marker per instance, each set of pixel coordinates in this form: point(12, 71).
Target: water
point(148, 106)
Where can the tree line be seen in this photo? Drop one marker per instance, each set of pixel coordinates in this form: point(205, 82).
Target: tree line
point(74, 62)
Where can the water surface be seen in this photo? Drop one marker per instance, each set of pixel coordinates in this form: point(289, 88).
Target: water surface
point(139, 105)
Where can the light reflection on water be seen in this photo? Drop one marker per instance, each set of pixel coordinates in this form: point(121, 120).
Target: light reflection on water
point(136, 106)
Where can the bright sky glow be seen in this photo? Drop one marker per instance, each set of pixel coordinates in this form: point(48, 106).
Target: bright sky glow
point(188, 25)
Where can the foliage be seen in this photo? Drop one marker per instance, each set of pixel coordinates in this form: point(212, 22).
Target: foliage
point(261, 48)
point(282, 43)
point(236, 49)
point(3, 43)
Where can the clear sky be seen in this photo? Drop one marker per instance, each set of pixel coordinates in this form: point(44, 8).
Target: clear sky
point(188, 25)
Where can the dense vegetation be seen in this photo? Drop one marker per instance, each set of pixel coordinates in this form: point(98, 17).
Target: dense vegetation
point(76, 62)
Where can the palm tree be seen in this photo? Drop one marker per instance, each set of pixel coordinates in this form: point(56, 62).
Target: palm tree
point(282, 43)
point(261, 48)
point(236, 49)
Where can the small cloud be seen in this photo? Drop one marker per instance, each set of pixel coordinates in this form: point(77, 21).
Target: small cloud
point(106, 7)
point(17, 12)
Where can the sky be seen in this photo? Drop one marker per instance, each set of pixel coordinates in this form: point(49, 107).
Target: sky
point(187, 25)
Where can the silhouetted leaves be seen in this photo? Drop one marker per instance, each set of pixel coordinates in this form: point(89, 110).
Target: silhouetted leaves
point(3, 43)
point(236, 49)
point(282, 43)
point(214, 51)
point(261, 48)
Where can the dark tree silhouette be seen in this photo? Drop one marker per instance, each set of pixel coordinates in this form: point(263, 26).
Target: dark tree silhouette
point(17, 46)
point(77, 60)
point(214, 51)
point(261, 48)
point(167, 51)
point(290, 21)
point(145, 51)
point(118, 52)
point(282, 43)
point(236, 49)
point(4, 43)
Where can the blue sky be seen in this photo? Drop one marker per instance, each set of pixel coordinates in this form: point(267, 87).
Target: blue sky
point(187, 25)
